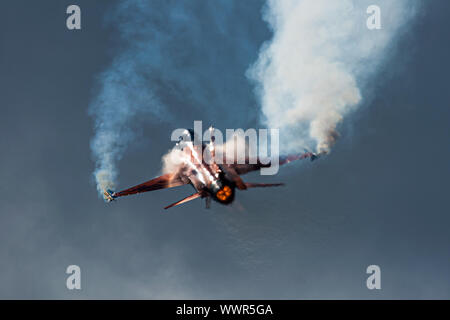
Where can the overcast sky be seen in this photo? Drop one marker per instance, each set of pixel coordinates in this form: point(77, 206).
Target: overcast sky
point(380, 197)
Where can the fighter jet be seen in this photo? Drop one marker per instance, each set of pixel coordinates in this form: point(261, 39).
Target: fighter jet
point(210, 179)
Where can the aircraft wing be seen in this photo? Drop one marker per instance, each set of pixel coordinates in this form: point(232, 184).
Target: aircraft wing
point(241, 169)
point(168, 180)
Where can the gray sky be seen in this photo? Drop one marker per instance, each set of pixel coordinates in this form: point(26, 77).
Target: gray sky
point(379, 198)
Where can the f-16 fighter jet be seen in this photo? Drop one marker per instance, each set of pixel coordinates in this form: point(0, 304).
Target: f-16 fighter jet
point(210, 179)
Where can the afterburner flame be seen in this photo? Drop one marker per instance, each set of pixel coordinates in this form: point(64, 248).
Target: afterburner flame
point(224, 193)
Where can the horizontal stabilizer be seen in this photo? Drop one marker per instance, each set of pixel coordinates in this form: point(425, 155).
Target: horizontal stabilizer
point(189, 198)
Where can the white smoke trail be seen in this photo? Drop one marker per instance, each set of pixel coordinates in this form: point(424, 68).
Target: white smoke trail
point(313, 72)
point(124, 95)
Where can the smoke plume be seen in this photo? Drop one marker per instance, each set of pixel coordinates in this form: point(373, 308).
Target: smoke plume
point(315, 69)
point(176, 62)
point(115, 111)
point(180, 61)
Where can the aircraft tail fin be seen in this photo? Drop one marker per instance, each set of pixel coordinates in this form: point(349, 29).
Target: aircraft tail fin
point(189, 198)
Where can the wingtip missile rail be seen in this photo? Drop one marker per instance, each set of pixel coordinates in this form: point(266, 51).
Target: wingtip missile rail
point(108, 195)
